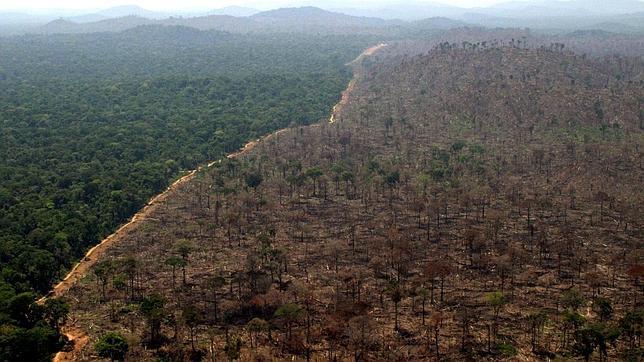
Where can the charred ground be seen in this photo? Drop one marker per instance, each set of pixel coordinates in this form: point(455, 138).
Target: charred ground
point(476, 201)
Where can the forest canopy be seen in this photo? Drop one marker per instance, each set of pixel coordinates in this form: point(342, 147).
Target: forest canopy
point(93, 125)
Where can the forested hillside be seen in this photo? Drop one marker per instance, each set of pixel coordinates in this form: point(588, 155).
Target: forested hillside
point(480, 201)
point(172, 51)
point(93, 125)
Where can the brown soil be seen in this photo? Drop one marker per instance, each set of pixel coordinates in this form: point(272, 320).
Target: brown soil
point(77, 337)
point(342, 243)
point(344, 100)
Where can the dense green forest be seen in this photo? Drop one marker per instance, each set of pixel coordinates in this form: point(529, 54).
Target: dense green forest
point(93, 125)
point(161, 51)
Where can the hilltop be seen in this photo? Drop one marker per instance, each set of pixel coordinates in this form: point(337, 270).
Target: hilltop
point(623, 16)
point(290, 20)
point(313, 20)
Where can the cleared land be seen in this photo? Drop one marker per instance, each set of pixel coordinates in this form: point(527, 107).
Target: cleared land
point(473, 202)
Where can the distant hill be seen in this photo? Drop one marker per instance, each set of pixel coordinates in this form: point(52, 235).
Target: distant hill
point(553, 14)
point(512, 9)
point(86, 18)
point(59, 26)
point(132, 10)
point(238, 11)
point(409, 12)
point(311, 16)
point(564, 8)
point(616, 27)
point(438, 23)
point(624, 23)
point(306, 20)
point(634, 19)
point(622, 16)
point(302, 20)
point(62, 26)
point(215, 22)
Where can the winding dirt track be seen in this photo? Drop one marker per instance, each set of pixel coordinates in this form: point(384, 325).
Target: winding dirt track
point(76, 335)
point(344, 99)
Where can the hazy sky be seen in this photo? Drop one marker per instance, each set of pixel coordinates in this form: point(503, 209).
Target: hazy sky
point(212, 4)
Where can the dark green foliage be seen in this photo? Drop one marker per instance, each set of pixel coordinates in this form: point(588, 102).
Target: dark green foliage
point(93, 125)
point(537, 323)
point(314, 172)
point(572, 299)
point(113, 346)
point(85, 157)
point(156, 51)
point(477, 149)
point(192, 317)
point(175, 262)
point(55, 312)
point(603, 308)
point(103, 271)
point(596, 336)
point(573, 319)
point(288, 314)
point(184, 248)
point(599, 110)
point(393, 178)
point(254, 179)
point(458, 145)
point(507, 350)
point(233, 348)
point(153, 308)
point(585, 343)
point(631, 327)
point(30, 331)
point(29, 344)
point(496, 300)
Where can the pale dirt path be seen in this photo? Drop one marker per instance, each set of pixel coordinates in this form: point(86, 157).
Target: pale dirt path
point(344, 99)
point(93, 255)
point(75, 334)
point(79, 338)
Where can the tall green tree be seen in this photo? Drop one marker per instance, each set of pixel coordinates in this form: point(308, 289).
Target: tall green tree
point(112, 345)
point(153, 308)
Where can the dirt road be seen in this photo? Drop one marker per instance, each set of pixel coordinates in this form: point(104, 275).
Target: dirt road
point(78, 337)
point(344, 99)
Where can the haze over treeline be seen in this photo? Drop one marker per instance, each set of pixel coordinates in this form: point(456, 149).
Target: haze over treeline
point(551, 15)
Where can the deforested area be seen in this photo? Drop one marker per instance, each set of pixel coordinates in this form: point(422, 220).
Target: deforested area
point(328, 181)
point(94, 125)
point(473, 201)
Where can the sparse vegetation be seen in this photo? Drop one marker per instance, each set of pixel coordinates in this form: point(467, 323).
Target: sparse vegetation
point(473, 220)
